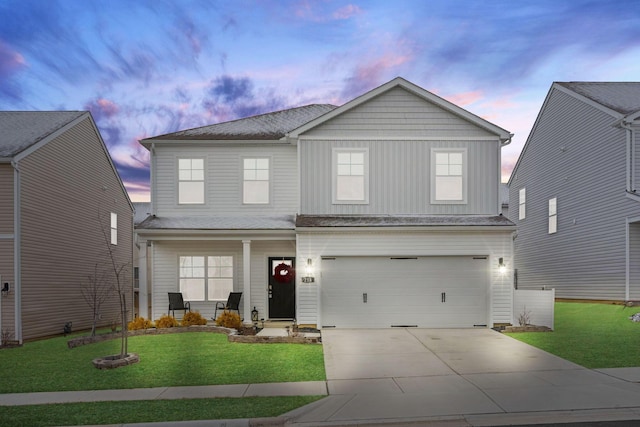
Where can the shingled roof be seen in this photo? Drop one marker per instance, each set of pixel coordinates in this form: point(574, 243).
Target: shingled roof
point(19, 130)
point(622, 97)
point(267, 126)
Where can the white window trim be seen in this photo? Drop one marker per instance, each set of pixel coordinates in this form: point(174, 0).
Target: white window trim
point(242, 159)
point(432, 175)
point(334, 175)
point(553, 215)
point(113, 222)
point(522, 203)
point(204, 181)
point(206, 271)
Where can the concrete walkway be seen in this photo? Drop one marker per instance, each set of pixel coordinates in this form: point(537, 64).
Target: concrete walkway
point(392, 377)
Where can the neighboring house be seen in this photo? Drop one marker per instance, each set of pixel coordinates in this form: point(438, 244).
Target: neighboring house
point(142, 210)
point(388, 207)
point(573, 194)
point(59, 192)
point(504, 197)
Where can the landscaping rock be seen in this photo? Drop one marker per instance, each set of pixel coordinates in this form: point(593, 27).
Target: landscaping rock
point(115, 361)
point(635, 317)
point(527, 328)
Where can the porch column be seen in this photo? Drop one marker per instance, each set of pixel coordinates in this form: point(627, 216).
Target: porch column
point(143, 291)
point(246, 282)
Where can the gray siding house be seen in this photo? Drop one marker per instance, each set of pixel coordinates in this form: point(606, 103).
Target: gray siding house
point(573, 193)
point(387, 208)
point(59, 191)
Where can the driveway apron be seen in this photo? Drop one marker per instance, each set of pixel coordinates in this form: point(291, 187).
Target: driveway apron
point(408, 373)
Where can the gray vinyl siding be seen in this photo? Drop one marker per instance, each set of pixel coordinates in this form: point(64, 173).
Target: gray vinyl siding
point(6, 275)
point(577, 156)
point(6, 199)
point(165, 271)
point(67, 187)
point(494, 244)
point(399, 178)
point(635, 182)
point(224, 179)
point(634, 264)
point(6, 245)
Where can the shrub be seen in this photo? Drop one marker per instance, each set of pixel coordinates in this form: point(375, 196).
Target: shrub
point(166, 321)
point(193, 318)
point(140, 323)
point(229, 319)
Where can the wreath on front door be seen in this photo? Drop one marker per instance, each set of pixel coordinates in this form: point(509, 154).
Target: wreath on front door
point(284, 273)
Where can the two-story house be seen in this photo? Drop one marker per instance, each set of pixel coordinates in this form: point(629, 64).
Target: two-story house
point(573, 193)
point(60, 196)
point(387, 208)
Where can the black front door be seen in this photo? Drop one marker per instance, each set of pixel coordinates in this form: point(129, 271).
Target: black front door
point(282, 288)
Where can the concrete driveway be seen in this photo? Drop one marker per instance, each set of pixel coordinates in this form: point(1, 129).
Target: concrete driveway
point(477, 374)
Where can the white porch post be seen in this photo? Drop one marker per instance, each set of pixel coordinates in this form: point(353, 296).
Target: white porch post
point(246, 282)
point(143, 291)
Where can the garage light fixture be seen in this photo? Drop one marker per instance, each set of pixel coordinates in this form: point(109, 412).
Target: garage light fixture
point(308, 272)
point(502, 268)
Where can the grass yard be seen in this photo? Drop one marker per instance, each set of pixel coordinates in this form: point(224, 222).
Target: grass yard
point(592, 335)
point(192, 358)
point(149, 411)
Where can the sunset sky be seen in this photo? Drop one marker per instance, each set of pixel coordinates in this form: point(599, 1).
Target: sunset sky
point(149, 67)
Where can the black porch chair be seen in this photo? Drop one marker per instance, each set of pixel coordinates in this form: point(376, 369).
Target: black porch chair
point(177, 303)
point(233, 303)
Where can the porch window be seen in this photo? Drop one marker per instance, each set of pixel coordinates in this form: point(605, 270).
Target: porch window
point(553, 215)
point(350, 176)
point(190, 181)
point(114, 228)
point(206, 278)
point(448, 176)
point(256, 181)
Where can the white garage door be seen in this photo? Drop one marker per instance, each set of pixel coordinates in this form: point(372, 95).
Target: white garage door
point(380, 292)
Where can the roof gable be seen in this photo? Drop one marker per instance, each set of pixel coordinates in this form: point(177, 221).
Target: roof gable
point(20, 130)
point(620, 97)
point(399, 82)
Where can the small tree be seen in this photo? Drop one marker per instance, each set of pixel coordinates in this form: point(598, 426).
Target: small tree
point(96, 291)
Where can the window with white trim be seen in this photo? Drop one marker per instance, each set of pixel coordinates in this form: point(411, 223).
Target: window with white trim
point(256, 181)
point(114, 228)
point(448, 173)
point(522, 203)
point(553, 215)
point(350, 176)
point(206, 278)
point(190, 181)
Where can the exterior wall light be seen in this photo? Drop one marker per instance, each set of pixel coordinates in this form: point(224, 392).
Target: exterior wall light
point(308, 272)
point(5, 289)
point(502, 268)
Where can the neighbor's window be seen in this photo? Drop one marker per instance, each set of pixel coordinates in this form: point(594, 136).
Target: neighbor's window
point(448, 174)
point(553, 215)
point(522, 203)
point(190, 181)
point(351, 176)
point(256, 181)
point(206, 276)
point(114, 228)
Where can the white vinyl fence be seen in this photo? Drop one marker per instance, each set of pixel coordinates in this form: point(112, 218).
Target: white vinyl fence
point(538, 304)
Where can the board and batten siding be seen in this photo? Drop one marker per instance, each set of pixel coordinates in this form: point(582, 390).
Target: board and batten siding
point(224, 178)
point(494, 244)
point(575, 155)
point(68, 187)
point(166, 256)
point(399, 177)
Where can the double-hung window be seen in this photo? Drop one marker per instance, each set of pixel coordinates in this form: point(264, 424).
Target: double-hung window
point(448, 176)
point(190, 181)
point(522, 204)
point(255, 188)
point(350, 176)
point(206, 278)
point(553, 215)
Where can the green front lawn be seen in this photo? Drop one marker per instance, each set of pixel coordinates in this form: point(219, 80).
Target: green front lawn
point(592, 335)
point(185, 359)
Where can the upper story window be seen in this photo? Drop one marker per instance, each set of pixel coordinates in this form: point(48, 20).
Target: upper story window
point(448, 176)
point(350, 176)
point(206, 278)
point(522, 204)
point(114, 228)
point(190, 181)
point(256, 181)
point(553, 215)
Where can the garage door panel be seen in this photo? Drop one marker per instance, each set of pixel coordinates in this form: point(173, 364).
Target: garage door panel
point(421, 291)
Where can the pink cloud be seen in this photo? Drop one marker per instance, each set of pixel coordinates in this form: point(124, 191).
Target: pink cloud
point(347, 12)
point(465, 98)
point(311, 11)
point(10, 60)
point(102, 108)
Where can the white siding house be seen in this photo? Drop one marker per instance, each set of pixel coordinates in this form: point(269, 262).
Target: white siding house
point(389, 207)
point(574, 196)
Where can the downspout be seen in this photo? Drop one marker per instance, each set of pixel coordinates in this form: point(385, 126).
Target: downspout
point(631, 152)
point(152, 183)
point(17, 277)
